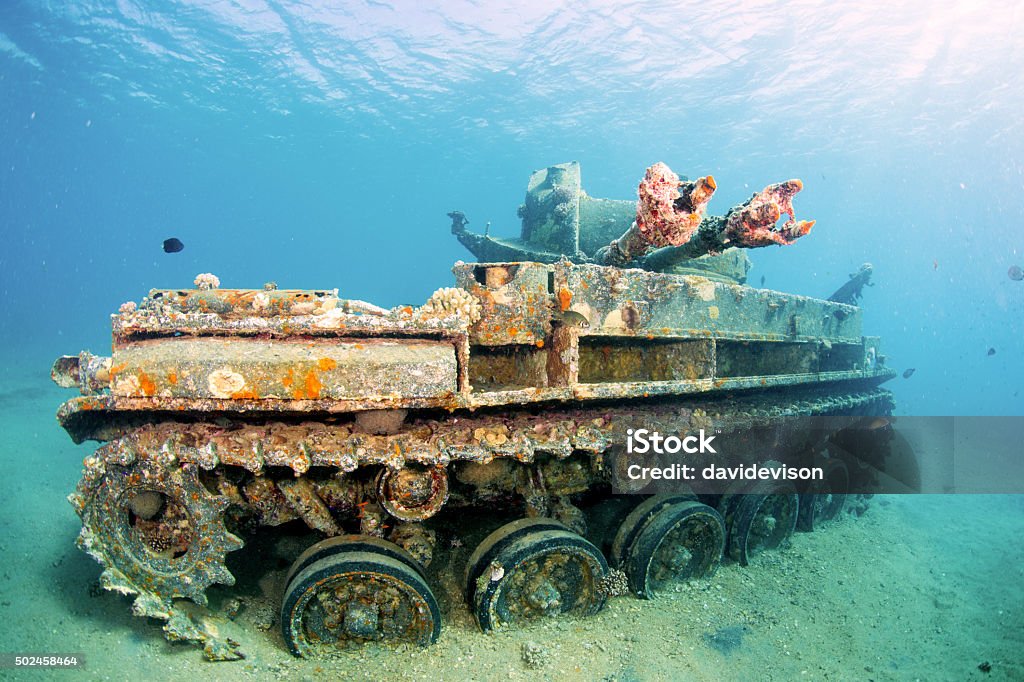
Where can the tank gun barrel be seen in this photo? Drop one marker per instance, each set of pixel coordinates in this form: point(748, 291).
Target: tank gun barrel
point(667, 215)
point(749, 225)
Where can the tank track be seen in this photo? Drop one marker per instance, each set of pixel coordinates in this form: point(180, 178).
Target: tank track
point(478, 437)
point(268, 473)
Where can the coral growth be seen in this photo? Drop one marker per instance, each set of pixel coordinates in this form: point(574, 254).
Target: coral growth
point(613, 584)
point(207, 280)
point(753, 223)
point(669, 211)
point(451, 301)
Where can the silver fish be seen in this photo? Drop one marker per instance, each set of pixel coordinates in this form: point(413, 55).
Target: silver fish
point(571, 318)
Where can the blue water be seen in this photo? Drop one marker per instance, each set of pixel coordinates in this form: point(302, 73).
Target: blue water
point(322, 146)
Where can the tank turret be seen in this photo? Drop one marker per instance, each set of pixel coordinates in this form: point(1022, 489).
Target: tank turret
point(666, 230)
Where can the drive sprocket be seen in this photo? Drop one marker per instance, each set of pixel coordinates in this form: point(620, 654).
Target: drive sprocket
point(155, 529)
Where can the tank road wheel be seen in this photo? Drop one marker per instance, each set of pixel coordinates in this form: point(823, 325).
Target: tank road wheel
point(668, 539)
point(157, 531)
point(758, 517)
point(352, 543)
point(532, 568)
point(412, 493)
point(828, 498)
point(353, 592)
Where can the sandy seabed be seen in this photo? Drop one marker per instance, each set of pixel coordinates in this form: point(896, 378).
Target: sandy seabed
point(919, 587)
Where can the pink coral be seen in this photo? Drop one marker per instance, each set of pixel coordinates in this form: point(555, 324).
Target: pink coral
point(669, 211)
point(753, 224)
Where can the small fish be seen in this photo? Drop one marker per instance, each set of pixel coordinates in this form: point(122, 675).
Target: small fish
point(991, 351)
point(877, 423)
point(173, 245)
point(907, 373)
point(571, 318)
point(935, 264)
point(762, 278)
point(1015, 273)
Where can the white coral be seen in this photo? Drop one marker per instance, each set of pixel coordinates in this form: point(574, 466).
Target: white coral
point(207, 280)
point(331, 319)
point(452, 301)
point(261, 301)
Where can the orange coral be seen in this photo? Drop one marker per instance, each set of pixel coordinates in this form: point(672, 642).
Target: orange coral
point(147, 385)
point(564, 299)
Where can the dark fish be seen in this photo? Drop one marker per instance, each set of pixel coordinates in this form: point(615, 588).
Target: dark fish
point(1015, 273)
point(907, 373)
point(173, 245)
point(840, 314)
point(852, 290)
point(762, 280)
point(571, 318)
point(991, 351)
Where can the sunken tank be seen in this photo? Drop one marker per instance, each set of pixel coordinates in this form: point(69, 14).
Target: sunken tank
point(511, 394)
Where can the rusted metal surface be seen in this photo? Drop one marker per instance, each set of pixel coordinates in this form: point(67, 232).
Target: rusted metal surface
point(297, 369)
point(637, 303)
point(473, 346)
point(351, 597)
point(517, 312)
